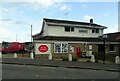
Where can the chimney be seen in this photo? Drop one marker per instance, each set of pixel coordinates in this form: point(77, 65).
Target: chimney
point(91, 20)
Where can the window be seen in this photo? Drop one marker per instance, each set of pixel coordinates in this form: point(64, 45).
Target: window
point(69, 29)
point(72, 28)
point(61, 48)
point(57, 48)
point(95, 30)
point(83, 31)
point(112, 47)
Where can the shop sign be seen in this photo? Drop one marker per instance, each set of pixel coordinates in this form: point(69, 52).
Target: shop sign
point(43, 48)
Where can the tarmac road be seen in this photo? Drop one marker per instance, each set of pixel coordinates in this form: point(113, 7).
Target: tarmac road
point(43, 72)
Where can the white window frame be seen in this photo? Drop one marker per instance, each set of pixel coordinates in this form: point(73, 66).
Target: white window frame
point(60, 48)
point(95, 31)
point(70, 29)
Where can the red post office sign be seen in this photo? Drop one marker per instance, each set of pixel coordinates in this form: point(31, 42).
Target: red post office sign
point(42, 48)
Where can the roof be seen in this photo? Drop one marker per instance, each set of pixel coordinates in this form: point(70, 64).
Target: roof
point(113, 37)
point(72, 22)
point(56, 38)
point(39, 36)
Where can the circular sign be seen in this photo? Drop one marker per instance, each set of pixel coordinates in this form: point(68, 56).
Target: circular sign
point(43, 48)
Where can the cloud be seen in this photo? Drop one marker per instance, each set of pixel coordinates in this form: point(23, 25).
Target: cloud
point(5, 19)
point(60, 0)
point(84, 6)
point(87, 17)
point(65, 8)
point(33, 4)
point(10, 21)
point(6, 34)
point(111, 29)
point(105, 15)
point(6, 11)
point(39, 4)
point(8, 29)
point(37, 25)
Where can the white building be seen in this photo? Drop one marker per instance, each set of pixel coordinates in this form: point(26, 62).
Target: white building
point(62, 34)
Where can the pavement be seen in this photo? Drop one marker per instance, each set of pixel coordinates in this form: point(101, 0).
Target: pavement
point(66, 64)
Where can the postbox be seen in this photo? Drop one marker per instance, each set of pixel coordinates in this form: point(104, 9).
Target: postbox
point(78, 52)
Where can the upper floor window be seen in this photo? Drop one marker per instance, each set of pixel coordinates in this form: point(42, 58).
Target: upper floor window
point(83, 30)
point(69, 29)
point(95, 30)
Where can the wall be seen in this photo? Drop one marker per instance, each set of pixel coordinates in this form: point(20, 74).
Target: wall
point(59, 31)
point(59, 55)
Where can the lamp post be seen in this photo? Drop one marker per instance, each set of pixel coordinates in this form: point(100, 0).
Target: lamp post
point(103, 38)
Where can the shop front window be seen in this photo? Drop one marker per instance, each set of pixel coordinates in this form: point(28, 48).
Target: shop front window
point(61, 48)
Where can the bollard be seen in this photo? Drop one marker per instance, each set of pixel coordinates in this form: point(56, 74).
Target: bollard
point(117, 60)
point(0, 55)
point(92, 58)
point(50, 57)
point(69, 57)
point(15, 55)
point(31, 55)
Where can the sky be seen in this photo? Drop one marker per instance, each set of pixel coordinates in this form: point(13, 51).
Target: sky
point(17, 16)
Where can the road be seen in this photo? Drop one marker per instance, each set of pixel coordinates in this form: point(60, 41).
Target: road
point(41, 72)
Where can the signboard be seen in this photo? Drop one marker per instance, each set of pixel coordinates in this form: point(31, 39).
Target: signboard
point(90, 47)
point(42, 48)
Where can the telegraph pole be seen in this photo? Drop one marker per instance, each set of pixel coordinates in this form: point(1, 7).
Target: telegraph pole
point(31, 33)
point(104, 37)
point(16, 37)
point(32, 55)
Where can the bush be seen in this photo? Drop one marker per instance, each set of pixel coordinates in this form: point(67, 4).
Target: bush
point(65, 58)
point(108, 57)
point(88, 61)
point(74, 58)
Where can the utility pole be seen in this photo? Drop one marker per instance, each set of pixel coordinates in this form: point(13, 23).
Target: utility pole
point(16, 37)
point(31, 33)
point(104, 51)
point(103, 38)
point(32, 55)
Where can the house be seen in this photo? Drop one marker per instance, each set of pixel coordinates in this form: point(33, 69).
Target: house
point(63, 37)
point(113, 41)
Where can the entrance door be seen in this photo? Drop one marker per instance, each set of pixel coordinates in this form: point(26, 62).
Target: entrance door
point(78, 52)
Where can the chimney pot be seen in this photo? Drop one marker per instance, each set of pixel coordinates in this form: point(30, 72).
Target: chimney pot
point(91, 20)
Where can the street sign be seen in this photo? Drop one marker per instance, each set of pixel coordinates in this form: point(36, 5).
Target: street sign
point(42, 48)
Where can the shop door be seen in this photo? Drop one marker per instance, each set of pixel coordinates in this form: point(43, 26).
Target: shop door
point(78, 52)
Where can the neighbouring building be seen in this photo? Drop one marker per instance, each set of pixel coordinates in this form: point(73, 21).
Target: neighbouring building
point(63, 37)
point(113, 43)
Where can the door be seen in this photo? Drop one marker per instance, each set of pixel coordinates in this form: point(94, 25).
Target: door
point(78, 52)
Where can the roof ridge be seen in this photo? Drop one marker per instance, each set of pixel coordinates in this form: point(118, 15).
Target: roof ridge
point(71, 21)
